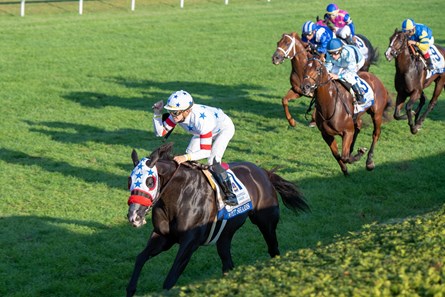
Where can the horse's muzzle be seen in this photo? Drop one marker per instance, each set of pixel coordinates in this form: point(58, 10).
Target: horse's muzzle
point(389, 54)
point(277, 59)
point(136, 215)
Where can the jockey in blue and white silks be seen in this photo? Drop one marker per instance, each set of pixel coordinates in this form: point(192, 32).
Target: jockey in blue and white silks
point(317, 36)
point(343, 62)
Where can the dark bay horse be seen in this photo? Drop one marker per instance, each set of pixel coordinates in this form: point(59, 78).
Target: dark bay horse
point(291, 47)
point(410, 80)
point(184, 209)
point(334, 112)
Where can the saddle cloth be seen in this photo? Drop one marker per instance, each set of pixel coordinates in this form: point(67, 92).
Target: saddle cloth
point(242, 196)
point(226, 212)
point(368, 95)
point(438, 62)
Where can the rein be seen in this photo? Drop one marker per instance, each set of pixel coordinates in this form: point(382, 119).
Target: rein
point(320, 84)
point(165, 186)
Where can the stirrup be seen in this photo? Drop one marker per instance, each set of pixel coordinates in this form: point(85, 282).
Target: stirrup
point(231, 201)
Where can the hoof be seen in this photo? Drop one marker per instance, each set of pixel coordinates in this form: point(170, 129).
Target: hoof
point(292, 123)
point(370, 166)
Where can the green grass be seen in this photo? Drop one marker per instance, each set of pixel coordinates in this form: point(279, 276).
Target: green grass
point(75, 98)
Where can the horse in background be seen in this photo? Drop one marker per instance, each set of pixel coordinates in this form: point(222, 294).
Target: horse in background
point(184, 209)
point(290, 46)
point(411, 79)
point(334, 112)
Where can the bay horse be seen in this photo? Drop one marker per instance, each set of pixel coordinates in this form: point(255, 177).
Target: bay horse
point(334, 112)
point(410, 80)
point(290, 46)
point(184, 209)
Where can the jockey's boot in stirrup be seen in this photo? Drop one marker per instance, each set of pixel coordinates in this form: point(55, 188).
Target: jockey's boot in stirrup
point(358, 94)
point(224, 181)
point(429, 63)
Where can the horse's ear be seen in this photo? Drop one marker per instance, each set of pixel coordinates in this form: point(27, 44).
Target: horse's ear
point(134, 157)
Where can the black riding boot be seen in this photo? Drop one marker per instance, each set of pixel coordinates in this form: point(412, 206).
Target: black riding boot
point(358, 94)
point(429, 64)
point(223, 179)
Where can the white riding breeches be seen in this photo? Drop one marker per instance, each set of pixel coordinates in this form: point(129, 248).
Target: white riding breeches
point(219, 143)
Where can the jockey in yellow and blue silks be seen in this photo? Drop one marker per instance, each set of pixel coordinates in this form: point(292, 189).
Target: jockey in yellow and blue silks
point(421, 36)
point(317, 37)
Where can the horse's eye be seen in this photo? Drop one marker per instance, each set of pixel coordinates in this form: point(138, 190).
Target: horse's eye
point(129, 182)
point(150, 182)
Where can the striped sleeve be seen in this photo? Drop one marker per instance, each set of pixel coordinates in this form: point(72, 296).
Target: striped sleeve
point(162, 127)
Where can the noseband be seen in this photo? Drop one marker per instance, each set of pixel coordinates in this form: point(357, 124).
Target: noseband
point(317, 82)
point(290, 48)
point(396, 52)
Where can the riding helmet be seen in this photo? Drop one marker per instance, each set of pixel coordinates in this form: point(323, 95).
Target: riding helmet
point(332, 9)
point(334, 45)
point(408, 25)
point(180, 100)
point(308, 27)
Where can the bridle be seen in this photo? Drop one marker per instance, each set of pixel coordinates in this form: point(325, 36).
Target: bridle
point(393, 51)
point(317, 82)
point(290, 48)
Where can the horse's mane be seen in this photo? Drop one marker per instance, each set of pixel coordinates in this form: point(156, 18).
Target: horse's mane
point(164, 152)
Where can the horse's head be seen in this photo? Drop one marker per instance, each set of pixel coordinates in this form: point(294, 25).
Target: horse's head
point(397, 42)
point(288, 47)
point(315, 74)
point(144, 185)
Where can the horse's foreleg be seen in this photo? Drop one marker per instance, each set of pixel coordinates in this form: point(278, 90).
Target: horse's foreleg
point(224, 243)
point(419, 107)
point(291, 95)
point(186, 249)
point(156, 244)
point(409, 109)
point(437, 90)
point(399, 104)
point(330, 140)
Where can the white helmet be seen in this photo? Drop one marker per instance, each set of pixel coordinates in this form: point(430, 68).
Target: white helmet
point(180, 100)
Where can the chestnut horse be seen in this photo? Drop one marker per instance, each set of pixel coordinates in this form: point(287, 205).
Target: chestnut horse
point(185, 209)
point(334, 112)
point(291, 47)
point(410, 80)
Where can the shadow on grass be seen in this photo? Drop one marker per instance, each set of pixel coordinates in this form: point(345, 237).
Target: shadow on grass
point(228, 97)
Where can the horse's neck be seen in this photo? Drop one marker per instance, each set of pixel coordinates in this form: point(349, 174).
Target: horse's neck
point(297, 66)
point(406, 63)
point(325, 97)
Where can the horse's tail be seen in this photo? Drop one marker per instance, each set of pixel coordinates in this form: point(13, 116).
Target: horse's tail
point(373, 53)
point(291, 195)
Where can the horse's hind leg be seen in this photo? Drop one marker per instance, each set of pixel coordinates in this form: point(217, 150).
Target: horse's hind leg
point(267, 220)
point(156, 244)
point(437, 90)
point(377, 121)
